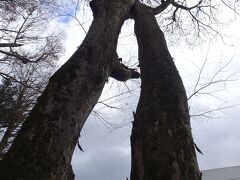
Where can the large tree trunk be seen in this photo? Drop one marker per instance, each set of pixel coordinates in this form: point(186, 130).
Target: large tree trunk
point(44, 146)
point(161, 141)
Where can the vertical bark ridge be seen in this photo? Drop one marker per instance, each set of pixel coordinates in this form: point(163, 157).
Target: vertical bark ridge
point(46, 141)
point(161, 141)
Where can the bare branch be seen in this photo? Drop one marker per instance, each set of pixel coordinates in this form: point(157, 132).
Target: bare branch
point(185, 7)
point(10, 45)
point(8, 30)
point(16, 55)
point(234, 10)
point(75, 17)
point(162, 7)
point(107, 105)
point(6, 76)
point(208, 112)
point(212, 81)
point(200, 73)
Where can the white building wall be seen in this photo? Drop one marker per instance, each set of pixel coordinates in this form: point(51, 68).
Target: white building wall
point(228, 173)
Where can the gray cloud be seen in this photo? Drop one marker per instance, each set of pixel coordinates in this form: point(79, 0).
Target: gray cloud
point(107, 164)
point(107, 154)
point(219, 141)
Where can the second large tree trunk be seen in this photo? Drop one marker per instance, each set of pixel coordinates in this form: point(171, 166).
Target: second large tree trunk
point(161, 141)
point(46, 141)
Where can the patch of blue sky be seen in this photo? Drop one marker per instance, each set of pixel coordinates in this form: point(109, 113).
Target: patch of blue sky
point(68, 12)
point(64, 19)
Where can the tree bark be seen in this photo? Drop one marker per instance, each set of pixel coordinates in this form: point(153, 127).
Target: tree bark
point(44, 146)
point(161, 140)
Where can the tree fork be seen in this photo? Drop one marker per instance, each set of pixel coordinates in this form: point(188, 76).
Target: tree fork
point(44, 146)
point(161, 140)
point(121, 72)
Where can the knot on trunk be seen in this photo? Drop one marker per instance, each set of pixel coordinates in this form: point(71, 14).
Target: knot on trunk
point(121, 72)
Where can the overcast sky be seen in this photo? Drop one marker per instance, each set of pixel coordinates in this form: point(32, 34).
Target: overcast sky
point(105, 136)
